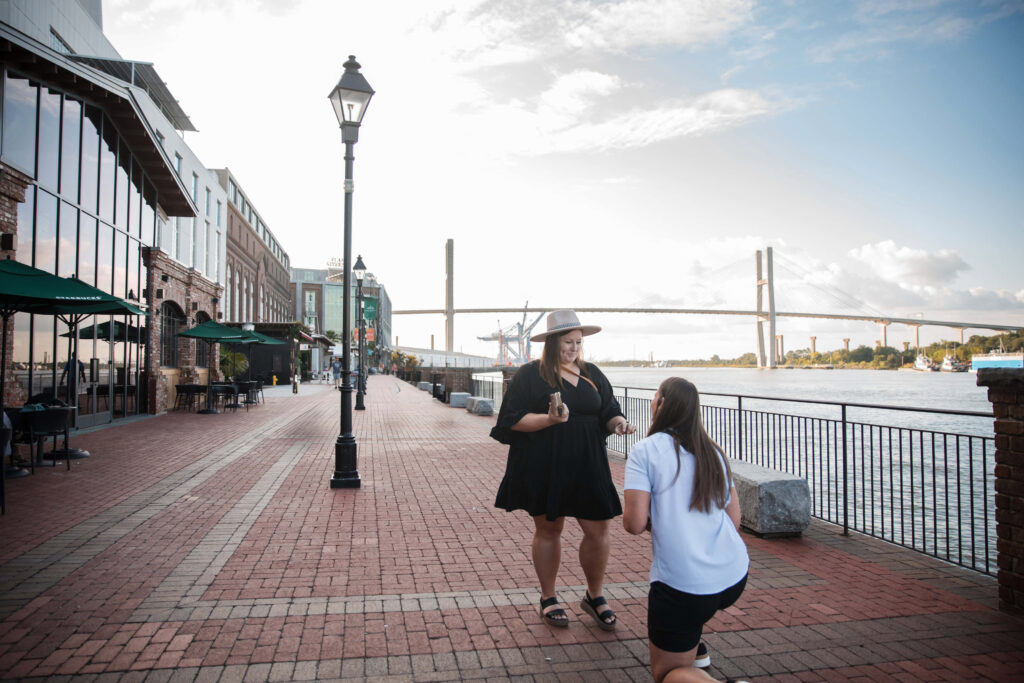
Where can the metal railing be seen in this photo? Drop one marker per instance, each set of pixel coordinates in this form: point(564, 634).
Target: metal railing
point(912, 485)
point(488, 387)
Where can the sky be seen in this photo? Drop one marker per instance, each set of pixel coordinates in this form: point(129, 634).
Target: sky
point(626, 153)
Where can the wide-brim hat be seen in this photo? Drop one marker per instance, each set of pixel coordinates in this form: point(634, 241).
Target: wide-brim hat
point(564, 320)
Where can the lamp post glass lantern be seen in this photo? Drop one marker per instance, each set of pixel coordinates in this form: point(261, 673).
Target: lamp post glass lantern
point(360, 272)
point(350, 98)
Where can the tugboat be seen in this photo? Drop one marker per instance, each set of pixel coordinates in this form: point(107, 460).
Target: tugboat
point(925, 364)
point(953, 364)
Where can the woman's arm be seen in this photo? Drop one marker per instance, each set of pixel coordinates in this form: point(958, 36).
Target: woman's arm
point(534, 422)
point(732, 508)
point(636, 519)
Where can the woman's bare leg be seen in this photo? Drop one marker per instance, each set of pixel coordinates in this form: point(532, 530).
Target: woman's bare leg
point(547, 552)
point(594, 549)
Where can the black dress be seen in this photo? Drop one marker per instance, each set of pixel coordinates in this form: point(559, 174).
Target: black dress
point(561, 470)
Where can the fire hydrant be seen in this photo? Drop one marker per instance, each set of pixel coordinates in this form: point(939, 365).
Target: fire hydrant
point(273, 380)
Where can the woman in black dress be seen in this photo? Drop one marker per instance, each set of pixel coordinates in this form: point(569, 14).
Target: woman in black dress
point(557, 460)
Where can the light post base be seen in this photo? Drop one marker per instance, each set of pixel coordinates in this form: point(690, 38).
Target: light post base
point(346, 476)
point(359, 401)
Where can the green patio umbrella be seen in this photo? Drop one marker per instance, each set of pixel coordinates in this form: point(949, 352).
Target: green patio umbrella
point(121, 332)
point(24, 289)
point(212, 333)
point(254, 337)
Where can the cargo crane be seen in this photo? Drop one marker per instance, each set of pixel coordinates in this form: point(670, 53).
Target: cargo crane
point(514, 340)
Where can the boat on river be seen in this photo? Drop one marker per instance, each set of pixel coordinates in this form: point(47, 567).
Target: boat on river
point(952, 364)
point(925, 364)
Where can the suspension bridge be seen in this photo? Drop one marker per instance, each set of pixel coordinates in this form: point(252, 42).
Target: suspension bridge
point(765, 312)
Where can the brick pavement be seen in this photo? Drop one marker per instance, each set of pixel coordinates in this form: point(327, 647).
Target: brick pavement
point(210, 547)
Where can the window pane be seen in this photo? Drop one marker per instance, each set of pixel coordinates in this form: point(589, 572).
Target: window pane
point(19, 141)
point(135, 201)
point(67, 259)
point(149, 216)
point(120, 264)
point(105, 258)
point(91, 124)
point(48, 158)
point(108, 166)
point(26, 217)
point(46, 233)
point(87, 249)
point(124, 165)
point(134, 289)
point(71, 135)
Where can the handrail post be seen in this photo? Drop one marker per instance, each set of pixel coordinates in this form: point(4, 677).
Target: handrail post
point(846, 521)
point(625, 438)
point(739, 430)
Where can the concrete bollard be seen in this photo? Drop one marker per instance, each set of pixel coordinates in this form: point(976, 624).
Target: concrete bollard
point(773, 503)
point(457, 399)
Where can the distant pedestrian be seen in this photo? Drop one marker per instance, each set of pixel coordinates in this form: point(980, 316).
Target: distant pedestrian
point(679, 487)
point(336, 371)
point(558, 463)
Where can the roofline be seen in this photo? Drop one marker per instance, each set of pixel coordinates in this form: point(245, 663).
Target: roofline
point(69, 76)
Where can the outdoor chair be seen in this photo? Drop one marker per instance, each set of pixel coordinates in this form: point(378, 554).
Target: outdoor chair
point(258, 390)
point(42, 424)
point(224, 395)
point(187, 394)
point(249, 389)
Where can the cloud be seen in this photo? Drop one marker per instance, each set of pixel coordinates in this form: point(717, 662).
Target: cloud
point(702, 115)
point(913, 268)
point(885, 25)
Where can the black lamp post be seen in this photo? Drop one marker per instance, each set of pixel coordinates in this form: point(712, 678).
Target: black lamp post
point(350, 98)
point(360, 271)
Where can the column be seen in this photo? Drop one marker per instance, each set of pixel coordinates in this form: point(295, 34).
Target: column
point(1006, 393)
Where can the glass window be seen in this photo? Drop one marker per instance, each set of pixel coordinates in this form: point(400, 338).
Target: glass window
point(202, 346)
point(227, 293)
point(108, 169)
point(105, 258)
point(216, 255)
point(45, 257)
point(171, 321)
point(232, 190)
point(87, 249)
point(124, 170)
point(218, 213)
point(120, 264)
point(149, 215)
point(135, 201)
point(67, 245)
point(199, 247)
point(195, 188)
point(208, 198)
point(19, 139)
point(48, 156)
point(26, 219)
point(134, 287)
point(177, 163)
point(71, 136)
point(91, 124)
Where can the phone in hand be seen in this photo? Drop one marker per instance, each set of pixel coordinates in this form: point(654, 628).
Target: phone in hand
point(556, 402)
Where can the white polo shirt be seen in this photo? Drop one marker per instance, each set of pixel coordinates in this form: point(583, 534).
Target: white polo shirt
point(694, 552)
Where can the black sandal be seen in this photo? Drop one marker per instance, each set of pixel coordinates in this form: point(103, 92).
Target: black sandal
point(556, 617)
point(590, 606)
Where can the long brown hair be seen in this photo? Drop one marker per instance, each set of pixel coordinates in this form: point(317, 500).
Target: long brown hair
point(679, 416)
point(549, 360)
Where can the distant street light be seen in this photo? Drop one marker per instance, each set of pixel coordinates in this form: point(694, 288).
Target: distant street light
point(359, 270)
point(350, 97)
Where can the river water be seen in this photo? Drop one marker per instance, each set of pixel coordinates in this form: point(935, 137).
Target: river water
point(956, 391)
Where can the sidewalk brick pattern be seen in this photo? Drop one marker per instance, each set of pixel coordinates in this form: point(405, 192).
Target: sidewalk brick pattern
point(211, 548)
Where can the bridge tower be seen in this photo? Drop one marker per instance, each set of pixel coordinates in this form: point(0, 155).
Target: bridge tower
point(449, 296)
point(769, 282)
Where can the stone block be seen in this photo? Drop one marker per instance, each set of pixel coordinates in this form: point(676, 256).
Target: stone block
point(457, 399)
point(483, 406)
point(424, 386)
point(471, 403)
point(772, 503)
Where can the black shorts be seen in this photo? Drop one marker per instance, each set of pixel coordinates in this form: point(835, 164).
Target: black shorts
point(675, 620)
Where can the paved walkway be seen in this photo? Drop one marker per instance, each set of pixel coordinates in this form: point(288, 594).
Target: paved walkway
point(210, 547)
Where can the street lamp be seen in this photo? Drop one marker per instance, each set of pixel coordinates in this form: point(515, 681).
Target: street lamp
point(350, 97)
point(360, 271)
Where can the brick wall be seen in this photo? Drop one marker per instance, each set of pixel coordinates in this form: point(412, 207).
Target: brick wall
point(12, 192)
point(170, 281)
point(1006, 392)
